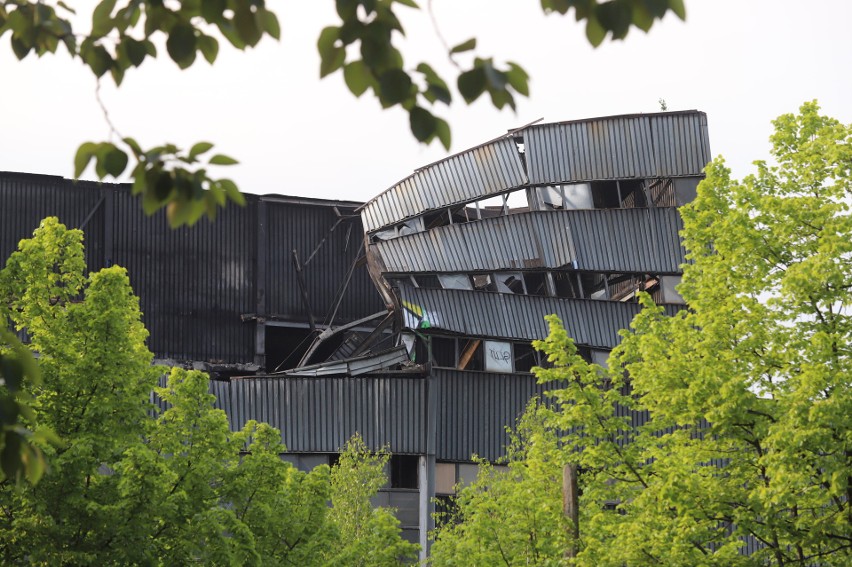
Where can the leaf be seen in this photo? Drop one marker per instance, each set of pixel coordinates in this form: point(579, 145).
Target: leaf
point(594, 32)
point(232, 191)
point(678, 8)
point(98, 59)
point(135, 50)
point(115, 162)
point(101, 18)
point(83, 156)
point(181, 44)
point(518, 79)
point(357, 77)
point(409, 3)
point(19, 48)
point(209, 47)
point(221, 159)
point(270, 24)
point(464, 46)
point(442, 130)
point(471, 84)
point(200, 148)
point(134, 146)
point(394, 86)
point(246, 24)
point(422, 123)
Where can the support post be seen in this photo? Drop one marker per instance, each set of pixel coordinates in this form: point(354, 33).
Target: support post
point(571, 506)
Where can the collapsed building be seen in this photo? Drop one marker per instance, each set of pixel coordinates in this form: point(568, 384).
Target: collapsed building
point(407, 319)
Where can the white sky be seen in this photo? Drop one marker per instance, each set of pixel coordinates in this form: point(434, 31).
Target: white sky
point(743, 62)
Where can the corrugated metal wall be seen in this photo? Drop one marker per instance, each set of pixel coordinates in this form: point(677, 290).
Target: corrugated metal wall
point(321, 414)
point(613, 240)
point(469, 175)
point(26, 199)
point(474, 409)
point(521, 317)
point(195, 283)
point(670, 144)
point(652, 145)
point(303, 228)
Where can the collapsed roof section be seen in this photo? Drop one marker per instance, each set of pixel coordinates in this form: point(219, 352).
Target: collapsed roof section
point(573, 218)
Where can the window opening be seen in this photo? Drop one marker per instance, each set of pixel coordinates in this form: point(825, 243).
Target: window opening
point(536, 283)
point(411, 227)
point(471, 357)
point(403, 471)
point(632, 193)
point(444, 352)
point(436, 219)
point(511, 282)
point(427, 281)
point(566, 285)
point(483, 282)
point(605, 194)
point(455, 281)
point(525, 357)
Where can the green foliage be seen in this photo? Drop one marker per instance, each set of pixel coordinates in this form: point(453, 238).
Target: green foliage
point(20, 454)
point(128, 487)
point(368, 536)
point(747, 393)
point(510, 516)
point(364, 46)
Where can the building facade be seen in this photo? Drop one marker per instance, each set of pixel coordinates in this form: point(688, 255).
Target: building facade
point(408, 318)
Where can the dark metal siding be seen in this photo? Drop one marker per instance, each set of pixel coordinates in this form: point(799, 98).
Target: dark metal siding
point(303, 228)
point(193, 283)
point(466, 176)
point(474, 409)
point(618, 147)
point(321, 414)
point(26, 199)
point(613, 240)
point(488, 314)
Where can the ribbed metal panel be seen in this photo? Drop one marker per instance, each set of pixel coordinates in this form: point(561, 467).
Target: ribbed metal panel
point(469, 175)
point(303, 228)
point(27, 199)
point(611, 240)
point(321, 414)
point(194, 284)
point(628, 240)
point(618, 147)
point(488, 314)
point(474, 409)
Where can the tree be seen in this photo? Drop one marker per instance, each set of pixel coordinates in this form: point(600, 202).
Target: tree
point(368, 536)
point(129, 485)
point(363, 47)
point(746, 394)
point(512, 516)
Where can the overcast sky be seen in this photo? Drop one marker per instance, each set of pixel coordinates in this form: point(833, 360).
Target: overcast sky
point(742, 62)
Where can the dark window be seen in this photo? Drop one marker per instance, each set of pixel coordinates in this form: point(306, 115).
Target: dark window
point(536, 283)
point(566, 284)
point(444, 352)
point(403, 471)
point(436, 219)
point(632, 194)
point(605, 195)
point(471, 356)
point(428, 281)
point(285, 346)
point(525, 357)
